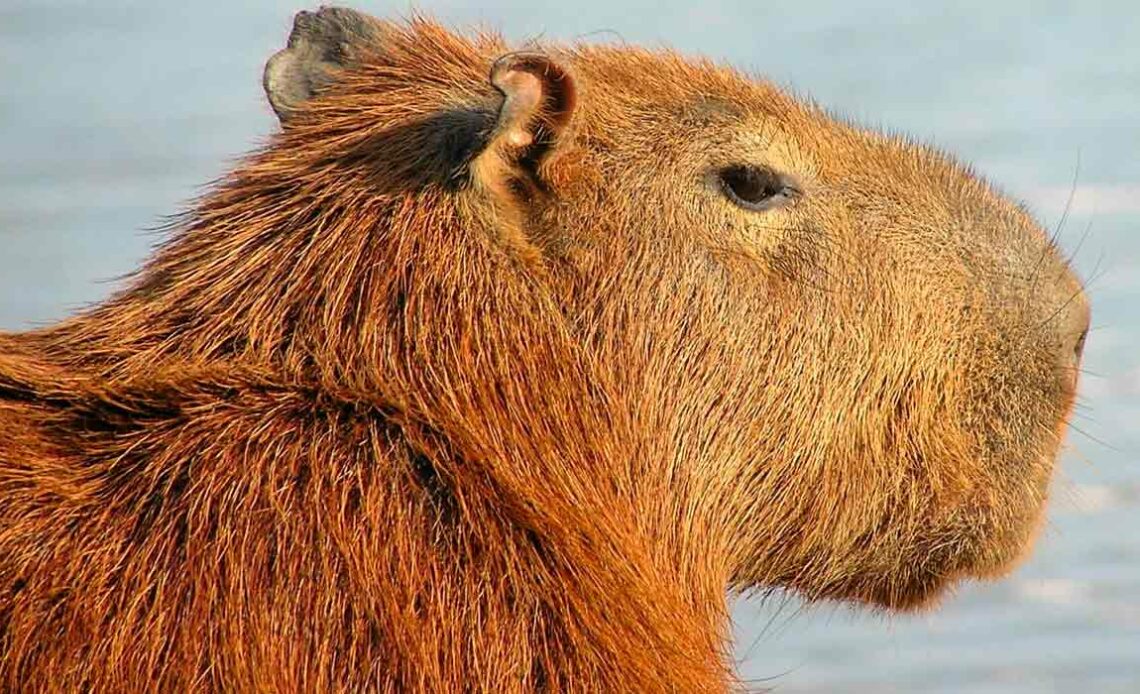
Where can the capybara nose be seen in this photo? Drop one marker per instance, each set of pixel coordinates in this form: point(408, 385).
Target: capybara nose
point(1072, 324)
point(1079, 345)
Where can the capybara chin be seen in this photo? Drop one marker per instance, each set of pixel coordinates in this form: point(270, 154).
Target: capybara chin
point(497, 368)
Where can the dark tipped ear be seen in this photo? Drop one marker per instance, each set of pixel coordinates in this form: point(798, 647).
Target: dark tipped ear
point(321, 43)
point(515, 166)
point(539, 97)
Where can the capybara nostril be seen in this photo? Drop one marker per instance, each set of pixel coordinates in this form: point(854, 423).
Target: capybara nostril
point(1073, 326)
point(1079, 347)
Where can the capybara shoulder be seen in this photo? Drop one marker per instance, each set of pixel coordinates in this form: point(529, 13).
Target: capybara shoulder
point(498, 367)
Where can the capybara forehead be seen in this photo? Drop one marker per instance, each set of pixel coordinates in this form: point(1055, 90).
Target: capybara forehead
point(630, 98)
point(628, 87)
point(666, 82)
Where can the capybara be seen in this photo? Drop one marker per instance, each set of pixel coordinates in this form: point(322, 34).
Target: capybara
point(497, 370)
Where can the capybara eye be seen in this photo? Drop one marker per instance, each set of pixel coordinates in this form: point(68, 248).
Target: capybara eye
point(756, 187)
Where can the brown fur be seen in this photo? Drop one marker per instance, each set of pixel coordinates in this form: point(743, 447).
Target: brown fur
point(400, 408)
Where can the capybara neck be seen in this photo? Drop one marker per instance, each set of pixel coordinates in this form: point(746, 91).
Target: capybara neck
point(409, 396)
point(410, 383)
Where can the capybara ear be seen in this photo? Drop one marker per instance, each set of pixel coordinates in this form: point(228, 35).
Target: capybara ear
point(321, 43)
point(539, 97)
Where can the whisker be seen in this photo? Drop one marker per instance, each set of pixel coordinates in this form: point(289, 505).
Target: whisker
point(1060, 225)
point(1081, 456)
point(771, 624)
point(1081, 242)
point(1097, 272)
point(1082, 432)
point(1083, 415)
point(1060, 308)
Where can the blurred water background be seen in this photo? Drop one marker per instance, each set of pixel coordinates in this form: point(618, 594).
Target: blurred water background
point(114, 113)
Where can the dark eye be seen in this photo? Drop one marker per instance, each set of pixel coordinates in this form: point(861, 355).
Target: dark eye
point(756, 187)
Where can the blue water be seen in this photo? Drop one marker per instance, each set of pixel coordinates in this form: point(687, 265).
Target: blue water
point(113, 113)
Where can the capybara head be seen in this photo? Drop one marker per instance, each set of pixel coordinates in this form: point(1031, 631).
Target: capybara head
point(794, 353)
point(851, 359)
